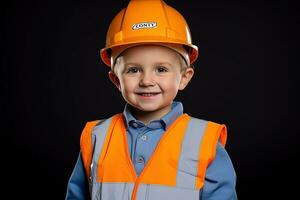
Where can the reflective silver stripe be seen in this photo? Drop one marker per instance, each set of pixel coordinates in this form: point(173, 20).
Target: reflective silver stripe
point(99, 133)
point(188, 160)
point(123, 191)
point(142, 192)
point(112, 191)
point(156, 192)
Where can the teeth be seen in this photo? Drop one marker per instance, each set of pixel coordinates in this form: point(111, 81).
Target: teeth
point(147, 94)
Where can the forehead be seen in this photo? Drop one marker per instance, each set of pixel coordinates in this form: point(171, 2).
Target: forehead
point(150, 53)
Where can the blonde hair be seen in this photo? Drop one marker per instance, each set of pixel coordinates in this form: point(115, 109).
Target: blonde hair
point(184, 64)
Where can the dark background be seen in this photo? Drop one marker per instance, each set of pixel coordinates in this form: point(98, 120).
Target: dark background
point(53, 82)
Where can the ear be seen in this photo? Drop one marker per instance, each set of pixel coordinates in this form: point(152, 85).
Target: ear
point(186, 77)
point(114, 78)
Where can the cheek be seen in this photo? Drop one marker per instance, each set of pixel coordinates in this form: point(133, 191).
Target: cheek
point(176, 79)
point(171, 84)
point(127, 84)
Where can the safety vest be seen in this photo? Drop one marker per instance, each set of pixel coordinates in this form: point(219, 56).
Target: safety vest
point(176, 169)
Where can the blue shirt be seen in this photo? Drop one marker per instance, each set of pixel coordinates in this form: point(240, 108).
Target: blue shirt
point(142, 140)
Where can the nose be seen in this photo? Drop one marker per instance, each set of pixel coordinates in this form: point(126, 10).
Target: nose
point(147, 79)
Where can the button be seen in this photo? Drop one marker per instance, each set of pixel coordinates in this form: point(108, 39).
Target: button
point(140, 160)
point(144, 137)
point(134, 124)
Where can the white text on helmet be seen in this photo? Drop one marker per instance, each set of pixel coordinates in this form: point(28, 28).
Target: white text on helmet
point(144, 25)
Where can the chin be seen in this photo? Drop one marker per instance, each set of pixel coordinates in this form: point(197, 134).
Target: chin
point(148, 109)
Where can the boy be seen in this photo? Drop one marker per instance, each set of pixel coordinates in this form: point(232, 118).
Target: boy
point(152, 150)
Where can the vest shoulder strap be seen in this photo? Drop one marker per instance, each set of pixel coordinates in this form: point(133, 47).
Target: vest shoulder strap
point(86, 145)
point(92, 130)
point(213, 134)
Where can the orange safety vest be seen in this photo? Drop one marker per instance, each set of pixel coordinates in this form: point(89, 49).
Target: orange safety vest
point(176, 169)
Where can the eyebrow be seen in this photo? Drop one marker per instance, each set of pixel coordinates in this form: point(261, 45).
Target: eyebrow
point(163, 63)
point(132, 63)
point(138, 64)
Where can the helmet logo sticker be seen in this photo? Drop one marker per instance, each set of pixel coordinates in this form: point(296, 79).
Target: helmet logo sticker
point(144, 25)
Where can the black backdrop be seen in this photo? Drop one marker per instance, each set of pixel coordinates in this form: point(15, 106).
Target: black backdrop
point(52, 82)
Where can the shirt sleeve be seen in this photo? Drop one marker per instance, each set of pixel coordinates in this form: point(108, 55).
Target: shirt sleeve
point(220, 178)
point(78, 185)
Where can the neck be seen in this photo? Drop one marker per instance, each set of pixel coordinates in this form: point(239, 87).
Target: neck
point(147, 116)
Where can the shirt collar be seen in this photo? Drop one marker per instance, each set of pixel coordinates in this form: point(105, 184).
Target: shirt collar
point(176, 111)
point(166, 120)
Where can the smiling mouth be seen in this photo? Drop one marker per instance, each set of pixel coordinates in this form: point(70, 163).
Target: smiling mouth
point(148, 94)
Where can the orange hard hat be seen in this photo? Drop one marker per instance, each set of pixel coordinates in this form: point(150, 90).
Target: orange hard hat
point(147, 22)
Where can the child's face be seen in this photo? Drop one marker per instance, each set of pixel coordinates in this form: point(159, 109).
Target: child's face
point(149, 77)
